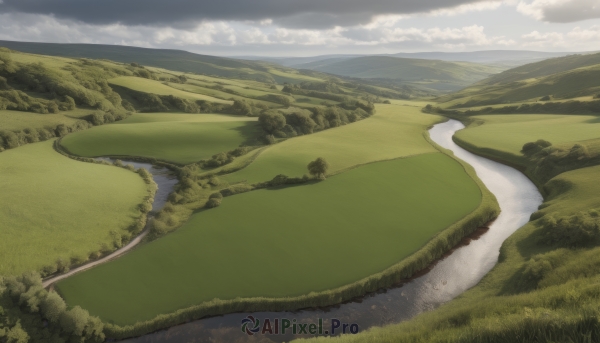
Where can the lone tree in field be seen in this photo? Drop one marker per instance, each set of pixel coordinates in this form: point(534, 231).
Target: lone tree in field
point(318, 168)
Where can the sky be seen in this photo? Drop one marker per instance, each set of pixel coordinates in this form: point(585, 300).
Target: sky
point(308, 27)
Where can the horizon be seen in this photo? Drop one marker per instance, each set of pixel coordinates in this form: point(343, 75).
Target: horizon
point(310, 27)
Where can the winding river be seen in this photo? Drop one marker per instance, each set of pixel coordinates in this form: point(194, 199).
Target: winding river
point(518, 198)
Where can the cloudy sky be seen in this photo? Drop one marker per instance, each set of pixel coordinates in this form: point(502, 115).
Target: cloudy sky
point(308, 27)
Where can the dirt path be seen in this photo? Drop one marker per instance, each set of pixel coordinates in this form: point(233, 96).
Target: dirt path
point(48, 282)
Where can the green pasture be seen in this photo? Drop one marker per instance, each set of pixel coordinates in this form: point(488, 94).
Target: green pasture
point(508, 133)
point(53, 207)
point(18, 120)
point(394, 131)
point(176, 137)
point(156, 87)
point(284, 242)
point(508, 305)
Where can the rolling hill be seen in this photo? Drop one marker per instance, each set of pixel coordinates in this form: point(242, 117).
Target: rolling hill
point(561, 78)
point(433, 74)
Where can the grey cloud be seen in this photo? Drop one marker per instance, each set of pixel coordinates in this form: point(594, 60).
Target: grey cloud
point(287, 13)
point(572, 11)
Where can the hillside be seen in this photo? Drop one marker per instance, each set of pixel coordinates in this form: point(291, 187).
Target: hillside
point(562, 78)
point(433, 74)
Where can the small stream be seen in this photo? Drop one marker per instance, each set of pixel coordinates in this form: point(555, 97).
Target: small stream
point(465, 267)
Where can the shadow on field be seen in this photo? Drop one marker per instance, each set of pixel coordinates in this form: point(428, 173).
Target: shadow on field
point(251, 132)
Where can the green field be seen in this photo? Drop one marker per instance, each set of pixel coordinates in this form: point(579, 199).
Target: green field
point(17, 120)
point(522, 300)
point(508, 133)
point(175, 137)
point(287, 242)
point(54, 207)
point(393, 131)
point(157, 87)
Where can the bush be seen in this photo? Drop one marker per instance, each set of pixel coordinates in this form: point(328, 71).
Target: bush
point(545, 98)
point(571, 231)
point(213, 202)
point(272, 121)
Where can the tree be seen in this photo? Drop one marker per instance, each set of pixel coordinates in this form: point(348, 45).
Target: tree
point(271, 121)
point(52, 307)
point(318, 168)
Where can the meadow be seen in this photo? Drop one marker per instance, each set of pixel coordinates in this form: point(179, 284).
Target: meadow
point(157, 87)
point(508, 133)
point(540, 291)
point(284, 242)
point(393, 131)
point(53, 207)
point(17, 120)
point(175, 137)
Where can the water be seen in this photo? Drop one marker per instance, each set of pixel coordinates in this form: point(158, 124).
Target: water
point(518, 198)
point(163, 177)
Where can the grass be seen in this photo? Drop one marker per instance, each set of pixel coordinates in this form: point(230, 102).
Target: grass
point(568, 77)
point(285, 242)
point(54, 207)
point(500, 309)
point(394, 131)
point(174, 137)
point(507, 305)
point(156, 87)
point(17, 120)
point(508, 133)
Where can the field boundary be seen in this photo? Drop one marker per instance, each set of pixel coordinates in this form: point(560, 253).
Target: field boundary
point(439, 245)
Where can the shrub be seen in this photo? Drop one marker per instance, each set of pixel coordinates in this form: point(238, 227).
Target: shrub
point(545, 98)
point(271, 121)
point(318, 168)
point(213, 202)
point(571, 231)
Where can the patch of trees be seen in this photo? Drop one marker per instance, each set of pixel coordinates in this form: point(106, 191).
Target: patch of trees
point(295, 121)
point(223, 158)
point(147, 102)
point(567, 107)
point(549, 161)
point(14, 139)
point(571, 231)
point(282, 180)
point(246, 108)
point(29, 313)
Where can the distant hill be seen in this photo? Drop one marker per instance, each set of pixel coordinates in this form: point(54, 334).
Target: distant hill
point(496, 57)
point(506, 58)
point(434, 74)
point(559, 78)
point(178, 60)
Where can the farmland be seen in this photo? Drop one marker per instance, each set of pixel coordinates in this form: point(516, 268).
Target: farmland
point(319, 222)
point(45, 199)
point(174, 137)
point(392, 132)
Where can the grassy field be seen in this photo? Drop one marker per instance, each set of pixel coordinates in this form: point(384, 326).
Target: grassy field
point(175, 137)
point(394, 131)
point(506, 306)
point(508, 133)
point(54, 207)
point(156, 87)
point(285, 242)
point(567, 77)
point(538, 292)
point(17, 120)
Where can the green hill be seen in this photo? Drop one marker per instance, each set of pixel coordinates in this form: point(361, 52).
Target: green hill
point(433, 74)
point(562, 78)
